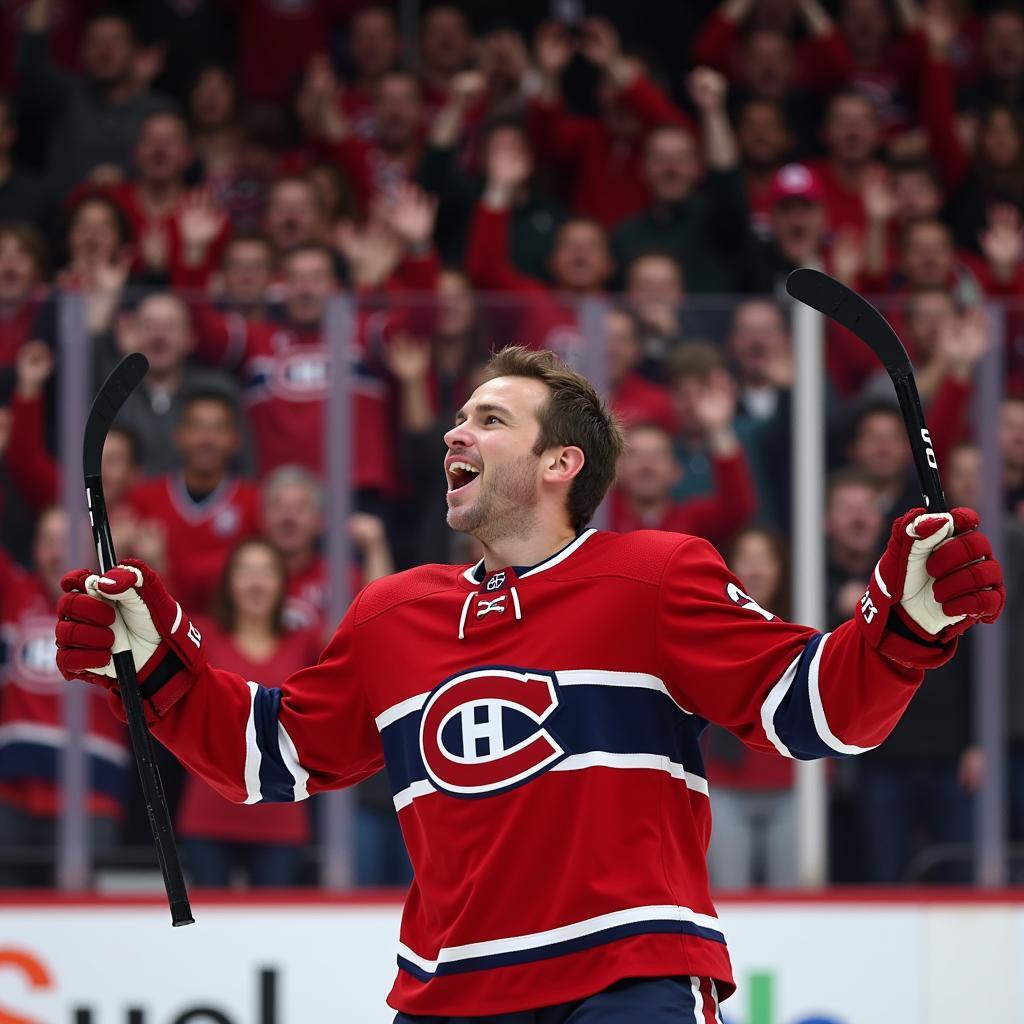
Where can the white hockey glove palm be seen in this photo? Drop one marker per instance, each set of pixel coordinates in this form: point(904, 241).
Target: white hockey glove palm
point(936, 578)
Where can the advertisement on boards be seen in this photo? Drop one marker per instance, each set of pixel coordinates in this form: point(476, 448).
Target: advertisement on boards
point(800, 963)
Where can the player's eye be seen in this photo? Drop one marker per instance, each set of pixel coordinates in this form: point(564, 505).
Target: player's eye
point(489, 419)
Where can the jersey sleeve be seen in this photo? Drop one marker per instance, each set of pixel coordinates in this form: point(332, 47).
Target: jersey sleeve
point(259, 744)
point(782, 688)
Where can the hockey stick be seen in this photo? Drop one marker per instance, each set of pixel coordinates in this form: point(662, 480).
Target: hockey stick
point(109, 399)
point(848, 309)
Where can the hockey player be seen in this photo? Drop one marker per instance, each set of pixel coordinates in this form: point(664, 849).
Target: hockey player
point(538, 713)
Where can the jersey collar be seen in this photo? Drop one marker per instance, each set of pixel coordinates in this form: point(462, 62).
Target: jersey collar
point(475, 574)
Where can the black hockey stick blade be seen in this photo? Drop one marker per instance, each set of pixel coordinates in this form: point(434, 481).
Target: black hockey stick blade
point(111, 396)
point(852, 311)
point(123, 380)
point(833, 299)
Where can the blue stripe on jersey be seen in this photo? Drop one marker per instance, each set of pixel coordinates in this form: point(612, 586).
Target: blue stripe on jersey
point(615, 719)
point(276, 782)
point(575, 945)
point(22, 760)
point(793, 720)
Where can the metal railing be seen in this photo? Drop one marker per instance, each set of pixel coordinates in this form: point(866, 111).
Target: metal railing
point(585, 349)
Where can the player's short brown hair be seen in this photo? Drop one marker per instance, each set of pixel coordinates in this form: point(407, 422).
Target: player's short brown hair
point(573, 415)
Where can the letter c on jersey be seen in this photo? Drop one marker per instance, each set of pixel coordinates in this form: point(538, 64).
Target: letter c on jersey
point(483, 731)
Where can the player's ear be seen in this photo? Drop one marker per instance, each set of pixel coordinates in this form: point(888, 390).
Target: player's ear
point(565, 463)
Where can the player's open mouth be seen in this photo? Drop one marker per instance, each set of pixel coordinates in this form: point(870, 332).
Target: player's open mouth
point(460, 475)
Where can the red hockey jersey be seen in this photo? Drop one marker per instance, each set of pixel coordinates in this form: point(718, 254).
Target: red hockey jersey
point(32, 728)
point(285, 373)
point(540, 731)
point(200, 535)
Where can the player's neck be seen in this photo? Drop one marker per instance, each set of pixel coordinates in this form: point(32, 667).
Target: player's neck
point(526, 550)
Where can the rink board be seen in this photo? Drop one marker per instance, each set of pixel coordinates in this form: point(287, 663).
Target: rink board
point(849, 959)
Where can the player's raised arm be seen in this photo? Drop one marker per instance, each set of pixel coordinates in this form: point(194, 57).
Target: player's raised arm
point(251, 743)
point(795, 691)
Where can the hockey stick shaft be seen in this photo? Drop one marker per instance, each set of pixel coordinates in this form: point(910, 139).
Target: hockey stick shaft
point(157, 810)
point(845, 307)
point(920, 441)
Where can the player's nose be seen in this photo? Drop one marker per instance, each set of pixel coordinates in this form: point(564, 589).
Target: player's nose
point(460, 436)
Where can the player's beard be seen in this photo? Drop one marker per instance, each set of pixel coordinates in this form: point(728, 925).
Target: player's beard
point(506, 505)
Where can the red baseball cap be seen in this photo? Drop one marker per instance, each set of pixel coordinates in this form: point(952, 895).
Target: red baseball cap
point(796, 181)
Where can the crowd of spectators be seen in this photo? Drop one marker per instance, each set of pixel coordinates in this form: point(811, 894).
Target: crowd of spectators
point(203, 181)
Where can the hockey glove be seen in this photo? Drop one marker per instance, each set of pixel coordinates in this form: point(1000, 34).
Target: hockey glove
point(128, 608)
point(936, 578)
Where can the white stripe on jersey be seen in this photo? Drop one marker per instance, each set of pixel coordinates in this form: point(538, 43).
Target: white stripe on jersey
point(776, 695)
point(565, 677)
point(536, 940)
point(658, 762)
point(421, 788)
point(400, 710)
point(821, 726)
point(253, 757)
point(602, 677)
point(290, 757)
point(577, 762)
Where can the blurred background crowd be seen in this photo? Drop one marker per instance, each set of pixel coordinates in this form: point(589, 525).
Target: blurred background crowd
point(203, 180)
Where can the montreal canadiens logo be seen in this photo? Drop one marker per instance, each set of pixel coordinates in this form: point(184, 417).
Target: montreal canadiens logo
point(303, 375)
point(33, 656)
point(486, 731)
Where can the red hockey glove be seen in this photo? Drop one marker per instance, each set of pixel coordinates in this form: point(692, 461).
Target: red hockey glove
point(128, 608)
point(936, 578)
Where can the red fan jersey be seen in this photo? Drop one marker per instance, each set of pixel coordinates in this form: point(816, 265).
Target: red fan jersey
point(200, 534)
point(285, 373)
point(206, 814)
point(32, 730)
point(540, 732)
point(307, 593)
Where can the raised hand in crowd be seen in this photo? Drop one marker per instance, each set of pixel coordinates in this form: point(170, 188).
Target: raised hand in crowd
point(939, 27)
point(815, 17)
point(599, 43)
point(1002, 241)
point(778, 366)
point(372, 251)
point(154, 247)
point(508, 169)
point(553, 48)
point(200, 223)
point(880, 206)
point(33, 366)
point(877, 195)
point(368, 534)
point(714, 407)
point(848, 255)
point(465, 89)
point(318, 101)
point(505, 61)
point(101, 277)
point(962, 343)
point(408, 359)
point(708, 89)
point(410, 212)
